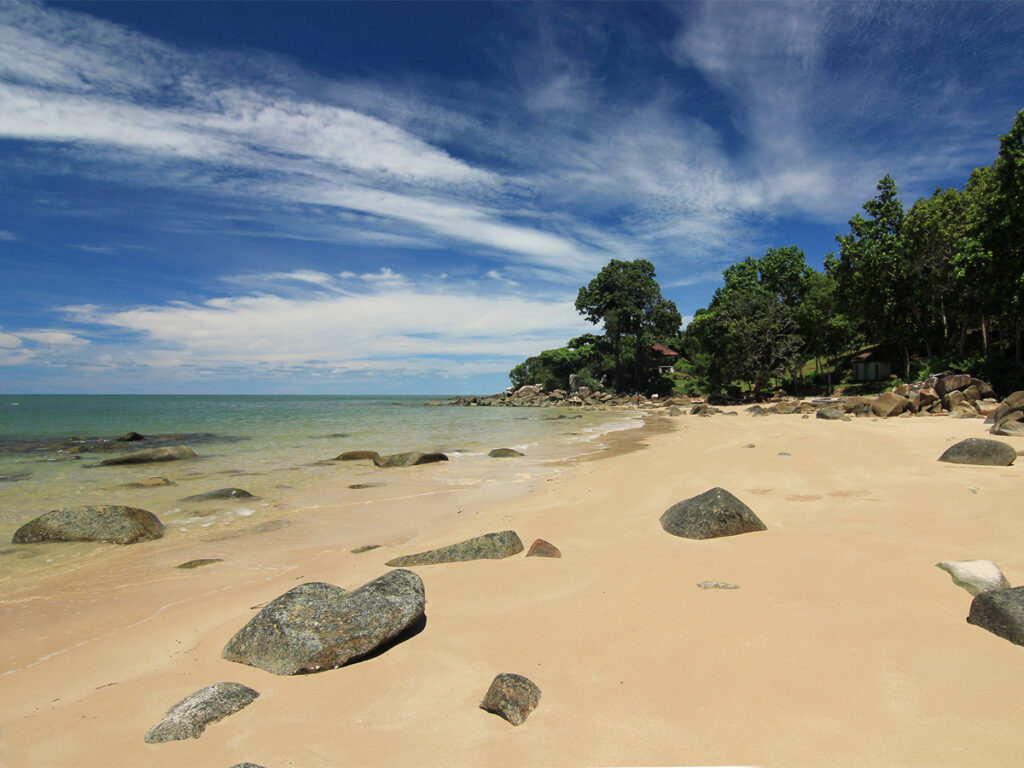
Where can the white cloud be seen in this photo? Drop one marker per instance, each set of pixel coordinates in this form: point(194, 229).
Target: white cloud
point(6, 236)
point(54, 338)
point(9, 341)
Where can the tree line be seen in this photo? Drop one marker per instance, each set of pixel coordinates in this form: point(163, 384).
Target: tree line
point(939, 285)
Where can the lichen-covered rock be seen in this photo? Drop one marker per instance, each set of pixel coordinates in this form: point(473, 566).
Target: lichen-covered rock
point(976, 576)
point(151, 455)
point(490, 546)
point(318, 626)
point(410, 459)
point(542, 548)
point(511, 696)
point(504, 453)
point(1001, 612)
point(220, 493)
point(710, 515)
point(110, 523)
point(189, 717)
point(976, 450)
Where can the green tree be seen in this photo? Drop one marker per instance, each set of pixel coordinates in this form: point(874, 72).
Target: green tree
point(875, 281)
point(1005, 225)
point(626, 298)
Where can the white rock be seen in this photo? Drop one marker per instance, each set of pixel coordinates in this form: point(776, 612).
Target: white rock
point(976, 576)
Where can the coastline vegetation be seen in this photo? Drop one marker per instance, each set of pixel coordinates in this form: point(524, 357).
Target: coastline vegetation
point(937, 286)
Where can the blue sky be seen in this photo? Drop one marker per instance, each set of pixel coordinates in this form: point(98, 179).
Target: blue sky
point(405, 197)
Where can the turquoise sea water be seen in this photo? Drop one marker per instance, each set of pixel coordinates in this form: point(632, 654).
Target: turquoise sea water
point(265, 444)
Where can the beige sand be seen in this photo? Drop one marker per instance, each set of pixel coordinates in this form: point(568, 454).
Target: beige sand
point(844, 646)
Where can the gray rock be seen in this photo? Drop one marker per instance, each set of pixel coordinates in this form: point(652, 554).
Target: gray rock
point(110, 523)
point(151, 455)
point(675, 410)
point(710, 515)
point(318, 626)
point(512, 697)
point(490, 546)
point(1001, 612)
point(1008, 428)
point(189, 717)
point(410, 459)
point(976, 576)
point(976, 450)
point(832, 414)
point(504, 453)
point(220, 493)
point(717, 585)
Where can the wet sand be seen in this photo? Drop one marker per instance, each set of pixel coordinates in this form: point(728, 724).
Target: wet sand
point(844, 644)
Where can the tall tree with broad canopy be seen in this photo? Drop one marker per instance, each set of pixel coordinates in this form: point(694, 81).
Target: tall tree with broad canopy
point(626, 298)
point(875, 280)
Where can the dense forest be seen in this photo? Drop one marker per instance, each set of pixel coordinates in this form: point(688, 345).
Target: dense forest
point(937, 286)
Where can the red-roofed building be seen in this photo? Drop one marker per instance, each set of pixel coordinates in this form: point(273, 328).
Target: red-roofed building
point(665, 352)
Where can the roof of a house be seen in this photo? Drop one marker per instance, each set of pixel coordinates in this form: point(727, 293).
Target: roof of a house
point(665, 350)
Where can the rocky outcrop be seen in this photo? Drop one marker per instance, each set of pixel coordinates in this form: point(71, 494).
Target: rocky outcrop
point(1001, 612)
point(110, 523)
point(949, 391)
point(710, 515)
point(356, 455)
point(410, 459)
point(151, 455)
point(832, 414)
point(1008, 417)
point(189, 717)
point(512, 697)
point(318, 626)
point(220, 493)
point(542, 548)
point(490, 546)
point(504, 453)
point(976, 450)
point(976, 576)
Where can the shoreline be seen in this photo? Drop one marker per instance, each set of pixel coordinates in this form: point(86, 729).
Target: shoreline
point(837, 649)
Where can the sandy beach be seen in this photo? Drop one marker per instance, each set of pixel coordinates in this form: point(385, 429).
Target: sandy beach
point(844, 644)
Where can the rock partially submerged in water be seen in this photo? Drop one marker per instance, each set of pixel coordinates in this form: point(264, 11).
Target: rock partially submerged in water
point(317, 626)
point(220, 493)
point(110, 523)
point(512, 697)
point(976, 450)
point(710, 515)
point(410, 459)
point(189, 717)
point(505, 453)
point(490, 546)
point(151, 455)
point(356, 455)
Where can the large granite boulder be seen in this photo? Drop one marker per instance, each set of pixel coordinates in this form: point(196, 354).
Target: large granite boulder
point(111, 523)
point(832, 414)
point(976, 576)
point(513, 697)
point(490, 546)
point(1001, 612)
point(410, 459)
point(189, 717)
point(889, 404)
point(976, 450)
point(710, 515)
point(151, 455)
point(318, 626)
